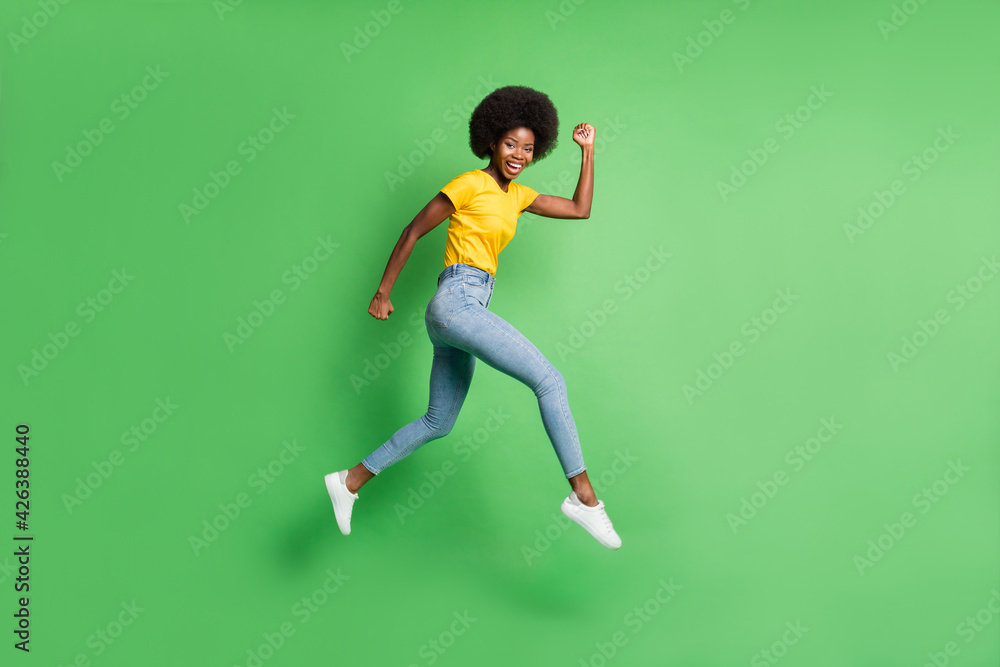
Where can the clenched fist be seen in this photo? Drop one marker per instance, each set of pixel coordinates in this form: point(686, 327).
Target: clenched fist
point(380, 307)
point(583, 134)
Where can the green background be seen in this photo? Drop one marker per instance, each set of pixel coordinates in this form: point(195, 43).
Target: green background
point(668, 132)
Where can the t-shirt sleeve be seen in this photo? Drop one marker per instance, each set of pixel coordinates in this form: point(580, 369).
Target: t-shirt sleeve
point(461, 189)
point(527, 196)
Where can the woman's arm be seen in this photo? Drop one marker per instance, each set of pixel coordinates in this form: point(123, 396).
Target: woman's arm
point(579, 206)
point(433, 214)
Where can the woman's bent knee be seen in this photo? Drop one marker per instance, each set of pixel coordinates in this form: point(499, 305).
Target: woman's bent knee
point(438, 427)
point(552, 382)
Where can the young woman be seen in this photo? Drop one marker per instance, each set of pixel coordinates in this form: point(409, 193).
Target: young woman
point(512, 126)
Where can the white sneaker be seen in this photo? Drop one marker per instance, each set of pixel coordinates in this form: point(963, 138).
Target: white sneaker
point(343, 500)
point(594, 520)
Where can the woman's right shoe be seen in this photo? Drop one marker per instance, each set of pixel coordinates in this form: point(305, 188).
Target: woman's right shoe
point(343, 500)
point(593, 519)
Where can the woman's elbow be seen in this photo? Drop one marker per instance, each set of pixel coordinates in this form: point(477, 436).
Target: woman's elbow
point(410, 234)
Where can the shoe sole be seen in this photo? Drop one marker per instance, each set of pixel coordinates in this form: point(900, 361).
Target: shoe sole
point(337, 511)
point(570, 511)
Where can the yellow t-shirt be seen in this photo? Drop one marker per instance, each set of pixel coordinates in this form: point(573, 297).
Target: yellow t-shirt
point(484, 219)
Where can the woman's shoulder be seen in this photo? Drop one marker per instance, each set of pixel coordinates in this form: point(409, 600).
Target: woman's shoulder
point(474, 177)
point(524, 189)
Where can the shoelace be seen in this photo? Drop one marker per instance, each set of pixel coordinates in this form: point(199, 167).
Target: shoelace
point(606, 519)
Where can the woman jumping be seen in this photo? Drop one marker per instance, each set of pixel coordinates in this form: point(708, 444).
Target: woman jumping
point(512, 126)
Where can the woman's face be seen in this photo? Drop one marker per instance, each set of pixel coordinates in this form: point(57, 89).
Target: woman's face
point(513, 152)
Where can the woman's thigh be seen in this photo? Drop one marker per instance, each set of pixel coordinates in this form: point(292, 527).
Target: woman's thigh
point(451, 376)
point(484, 334)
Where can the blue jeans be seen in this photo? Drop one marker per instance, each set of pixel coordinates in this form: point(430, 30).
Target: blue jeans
point(461, 329)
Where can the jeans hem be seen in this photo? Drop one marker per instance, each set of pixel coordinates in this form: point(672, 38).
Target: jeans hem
point(368, 468)
point(577, 472)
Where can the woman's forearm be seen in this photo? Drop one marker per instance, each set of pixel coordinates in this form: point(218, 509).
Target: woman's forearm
point(400, 253)
point(584, 194)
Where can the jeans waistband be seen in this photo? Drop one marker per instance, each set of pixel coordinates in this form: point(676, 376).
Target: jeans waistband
point(465, 269)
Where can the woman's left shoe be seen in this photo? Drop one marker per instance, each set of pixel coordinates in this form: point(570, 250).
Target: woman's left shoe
point(343, 500)
point(594, 520)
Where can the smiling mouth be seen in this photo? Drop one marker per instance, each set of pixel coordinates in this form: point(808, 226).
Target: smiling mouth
point(514, 167)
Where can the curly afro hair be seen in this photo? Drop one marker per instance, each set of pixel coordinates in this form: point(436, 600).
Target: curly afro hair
point(509, 107)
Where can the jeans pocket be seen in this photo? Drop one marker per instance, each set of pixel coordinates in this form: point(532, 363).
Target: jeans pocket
point(475, 280)
point(477, 293)
point(441, 307)
point(476, 287)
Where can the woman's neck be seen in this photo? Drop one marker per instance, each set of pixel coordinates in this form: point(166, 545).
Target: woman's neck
point(498, 177)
